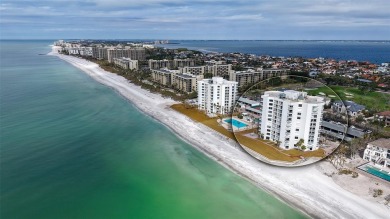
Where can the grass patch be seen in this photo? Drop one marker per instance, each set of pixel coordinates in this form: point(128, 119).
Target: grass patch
point(387, 129)
point(199, 116)
point(271, 152)
point(372, 100)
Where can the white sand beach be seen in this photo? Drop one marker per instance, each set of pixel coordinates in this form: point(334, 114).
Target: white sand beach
point(305, 188)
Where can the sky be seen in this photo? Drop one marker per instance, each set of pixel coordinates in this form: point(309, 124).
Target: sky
point(197, 19)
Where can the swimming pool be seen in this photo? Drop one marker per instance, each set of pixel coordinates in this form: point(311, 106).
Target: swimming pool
point(375, 171)
point(236, 123)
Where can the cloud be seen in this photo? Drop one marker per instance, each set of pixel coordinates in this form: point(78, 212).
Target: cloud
point(184, 18)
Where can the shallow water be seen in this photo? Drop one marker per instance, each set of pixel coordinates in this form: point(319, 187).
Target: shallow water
point(73, 148)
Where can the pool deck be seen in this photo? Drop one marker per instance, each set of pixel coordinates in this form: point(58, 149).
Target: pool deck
point(229, 126)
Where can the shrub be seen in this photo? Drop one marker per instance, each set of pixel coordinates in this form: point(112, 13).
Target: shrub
point(345, 171)
point(377, 192)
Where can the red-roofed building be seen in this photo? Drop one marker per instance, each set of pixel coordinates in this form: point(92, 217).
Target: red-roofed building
point(384, 116)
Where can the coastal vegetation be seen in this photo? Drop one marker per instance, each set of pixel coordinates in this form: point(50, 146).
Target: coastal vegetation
point(377, 192)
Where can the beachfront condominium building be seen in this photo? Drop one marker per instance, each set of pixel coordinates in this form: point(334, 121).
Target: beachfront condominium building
point(134, 53)
point(164, 77)
point(82, 51)
point(250, 77)
point(126, 63)
point(291, 118)
point(113, 53)
point(137, 53)
point(216, 95)
point(214, 70)
point(187, 82)
point(99, 53)
point(170, 64)
point(378, 152)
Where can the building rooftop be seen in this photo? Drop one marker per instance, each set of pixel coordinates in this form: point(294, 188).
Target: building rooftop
point(384, 113)
point(350, 105)
point(382, 142)
point(248, 101)
point(364, 80)
point(294, 95)
point(250, 71)
point(124, 59)
point(219, 81)
point(165, 71)
point(253, 110)
point(189, 76)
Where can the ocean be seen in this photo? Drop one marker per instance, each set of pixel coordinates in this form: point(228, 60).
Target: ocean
point(73, 148)
point(373, 51)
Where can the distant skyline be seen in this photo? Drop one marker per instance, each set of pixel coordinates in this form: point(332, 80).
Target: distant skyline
point(197, 20)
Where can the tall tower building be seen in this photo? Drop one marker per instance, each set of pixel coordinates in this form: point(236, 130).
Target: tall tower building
point(217, 95)
point(291, 118)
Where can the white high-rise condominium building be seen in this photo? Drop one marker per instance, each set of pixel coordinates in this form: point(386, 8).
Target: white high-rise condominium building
point(289, 116)
point(217, 95)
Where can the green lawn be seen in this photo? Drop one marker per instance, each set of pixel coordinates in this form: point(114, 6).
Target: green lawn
point(372, 100)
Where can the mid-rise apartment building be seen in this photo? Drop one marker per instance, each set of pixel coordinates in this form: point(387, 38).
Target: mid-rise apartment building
point(99, 53)
point(250, 77)
point(126, 63)
point(215, 70)
point(170, 64)
point(164, 77)
point(187, 82)
point(194, 70)
point(220, 70)
point(135, 53)
point(179, 63)
point(159, 64)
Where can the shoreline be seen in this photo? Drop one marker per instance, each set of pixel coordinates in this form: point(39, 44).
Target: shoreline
point(304, 188)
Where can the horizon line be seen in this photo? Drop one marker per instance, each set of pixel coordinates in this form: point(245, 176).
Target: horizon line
point(199, 39)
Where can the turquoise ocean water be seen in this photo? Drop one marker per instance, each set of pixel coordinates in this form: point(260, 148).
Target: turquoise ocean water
point(73, 148)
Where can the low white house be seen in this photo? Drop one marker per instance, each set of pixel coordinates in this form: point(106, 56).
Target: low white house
point(378, 152)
